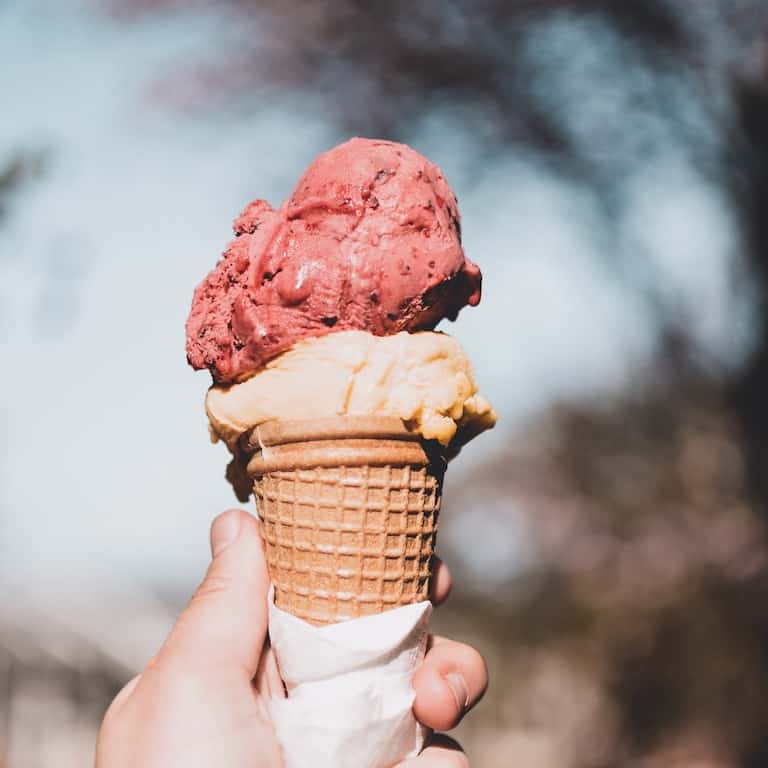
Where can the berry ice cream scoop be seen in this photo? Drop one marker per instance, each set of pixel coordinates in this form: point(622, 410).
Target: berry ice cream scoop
point(369, 240)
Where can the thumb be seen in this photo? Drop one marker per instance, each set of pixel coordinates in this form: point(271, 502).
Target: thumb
point(225, 623)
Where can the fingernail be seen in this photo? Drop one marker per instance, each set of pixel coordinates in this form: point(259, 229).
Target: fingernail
point(458, 689)
point(224, 532)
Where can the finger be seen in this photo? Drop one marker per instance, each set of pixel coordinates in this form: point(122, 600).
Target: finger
point(450, 681)
point(267, 681)
point(123, 695)
point(443, 752)
point(441, 582)
point(225, 623)
point(267, 684)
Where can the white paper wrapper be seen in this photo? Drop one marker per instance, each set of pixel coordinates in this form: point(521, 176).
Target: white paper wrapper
point(349, 688)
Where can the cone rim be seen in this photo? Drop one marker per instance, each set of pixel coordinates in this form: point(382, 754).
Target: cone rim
point(284, 431)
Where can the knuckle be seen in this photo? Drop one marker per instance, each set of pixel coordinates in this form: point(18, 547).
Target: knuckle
point(472, 657)
point(213, 584)
point(473, 662)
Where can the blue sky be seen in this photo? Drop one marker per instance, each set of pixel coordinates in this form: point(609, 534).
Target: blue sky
point(105, 465)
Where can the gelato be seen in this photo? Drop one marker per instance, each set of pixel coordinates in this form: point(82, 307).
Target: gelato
point(369, 240)
point(423, 378)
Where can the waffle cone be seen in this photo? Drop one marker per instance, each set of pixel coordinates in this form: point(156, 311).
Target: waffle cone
point(350, 508)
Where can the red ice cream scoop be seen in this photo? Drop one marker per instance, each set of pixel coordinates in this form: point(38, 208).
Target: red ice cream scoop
point(369, 240)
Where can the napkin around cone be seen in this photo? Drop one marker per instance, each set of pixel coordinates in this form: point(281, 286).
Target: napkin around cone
point(349, 688)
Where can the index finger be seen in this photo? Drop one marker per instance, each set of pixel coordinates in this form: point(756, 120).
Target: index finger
point(441, 582)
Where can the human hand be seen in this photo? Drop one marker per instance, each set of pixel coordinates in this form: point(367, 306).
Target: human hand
point(203, 699)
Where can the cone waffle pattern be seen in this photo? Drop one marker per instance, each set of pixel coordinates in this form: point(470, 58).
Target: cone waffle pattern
point(349, 541)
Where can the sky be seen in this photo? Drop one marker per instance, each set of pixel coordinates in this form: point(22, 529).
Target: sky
point(105, 467)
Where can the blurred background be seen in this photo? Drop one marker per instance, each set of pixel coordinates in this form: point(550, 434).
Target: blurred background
point(608, 539)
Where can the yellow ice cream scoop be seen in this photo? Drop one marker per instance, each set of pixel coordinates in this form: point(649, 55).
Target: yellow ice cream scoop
point(423, 378)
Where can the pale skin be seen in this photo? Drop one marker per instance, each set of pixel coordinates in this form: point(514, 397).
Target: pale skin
point(201, 701)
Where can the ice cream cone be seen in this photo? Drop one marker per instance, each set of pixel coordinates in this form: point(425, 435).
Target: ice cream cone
point(350, 508)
